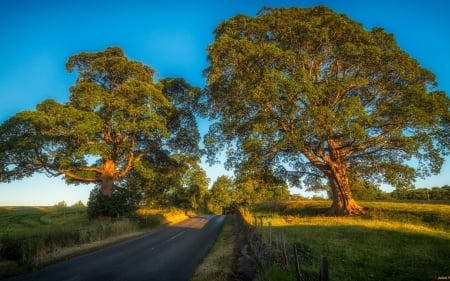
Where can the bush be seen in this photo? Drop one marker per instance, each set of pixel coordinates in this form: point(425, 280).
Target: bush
point(123, 202)
point(61, 204)
point(79, 204)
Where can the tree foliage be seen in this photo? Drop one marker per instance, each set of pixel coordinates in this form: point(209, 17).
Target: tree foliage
point(435, 193)
point(313, 95)
point(116, 115)
point(259, 185)
point(191, 193)
point(123, 202)
point(220, 198)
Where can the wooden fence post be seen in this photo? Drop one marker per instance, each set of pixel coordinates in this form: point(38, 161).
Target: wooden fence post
point(297, 265)
point(270, 234)
point(286, 259)
point(323, 274)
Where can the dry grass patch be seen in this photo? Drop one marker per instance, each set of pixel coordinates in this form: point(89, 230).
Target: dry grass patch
point(165, 216)
point(218, 264)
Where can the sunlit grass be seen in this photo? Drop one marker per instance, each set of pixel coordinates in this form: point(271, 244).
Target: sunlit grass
point(393, 241)
point(421, 217)
point(29, 236)
point(166, 216)
point(21, 222)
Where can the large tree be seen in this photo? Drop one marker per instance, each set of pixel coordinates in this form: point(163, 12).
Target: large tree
point(116, 114)
point(316, 96)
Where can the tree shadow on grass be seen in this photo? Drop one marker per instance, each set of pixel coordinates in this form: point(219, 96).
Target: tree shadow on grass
point(364, 253)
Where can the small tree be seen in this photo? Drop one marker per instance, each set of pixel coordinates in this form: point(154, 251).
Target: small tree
point(61, 204)
point(258, 185)
point(315, 96)
point(190, 192)
point(78, 204)
point(221, 197)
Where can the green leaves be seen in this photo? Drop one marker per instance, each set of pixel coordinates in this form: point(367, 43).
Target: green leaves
point(115, 116)
point(295, 83)
point(221, 195)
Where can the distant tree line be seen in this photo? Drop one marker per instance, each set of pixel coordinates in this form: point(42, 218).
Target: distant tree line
point(435, 193)
point(372, 192)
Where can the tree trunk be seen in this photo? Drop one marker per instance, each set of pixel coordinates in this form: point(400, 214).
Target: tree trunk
point(343, 203)
point(107, 178)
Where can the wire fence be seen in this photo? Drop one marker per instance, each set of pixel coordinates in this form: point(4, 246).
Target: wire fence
point(271, 248)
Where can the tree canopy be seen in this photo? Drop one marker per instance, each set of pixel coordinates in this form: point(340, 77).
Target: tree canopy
point(221, 195)
point(256, 185)
point(313, 95)
point(116, 115)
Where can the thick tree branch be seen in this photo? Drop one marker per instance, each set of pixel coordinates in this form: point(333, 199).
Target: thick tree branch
point(127, 168)
point(74, 176)
point(314, 159)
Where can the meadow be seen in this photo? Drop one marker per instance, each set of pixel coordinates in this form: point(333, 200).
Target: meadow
point(392, 241)
point(30, 236)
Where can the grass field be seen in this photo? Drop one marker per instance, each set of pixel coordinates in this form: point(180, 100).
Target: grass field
point(392, 241)
point(29, 236)
point(17, 223)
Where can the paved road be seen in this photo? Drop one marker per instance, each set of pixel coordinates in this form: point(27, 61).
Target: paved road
point(170, 254)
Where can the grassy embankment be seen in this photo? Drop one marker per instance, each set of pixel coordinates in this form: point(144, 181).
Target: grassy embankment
point(218, 264)
point(392, 241)
point(31, 237)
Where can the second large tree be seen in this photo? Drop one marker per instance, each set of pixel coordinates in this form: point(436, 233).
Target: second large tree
point(314, 95)
point(115, 116)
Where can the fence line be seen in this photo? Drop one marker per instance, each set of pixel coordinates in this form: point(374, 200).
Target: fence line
point(270, 249)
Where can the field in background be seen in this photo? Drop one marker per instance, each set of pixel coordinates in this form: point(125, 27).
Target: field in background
point(392, 241)
point(30, 236)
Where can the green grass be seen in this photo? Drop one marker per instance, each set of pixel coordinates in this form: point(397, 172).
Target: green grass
point(392, 241)
point(218, 264)
point(29, 236)
point(18, 223)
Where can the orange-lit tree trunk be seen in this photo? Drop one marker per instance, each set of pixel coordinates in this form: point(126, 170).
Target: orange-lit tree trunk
point(343, 202)
point(331, 162)
point(107, 178)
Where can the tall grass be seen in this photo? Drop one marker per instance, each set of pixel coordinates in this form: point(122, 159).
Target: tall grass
point(29, 234)
point(393, 241)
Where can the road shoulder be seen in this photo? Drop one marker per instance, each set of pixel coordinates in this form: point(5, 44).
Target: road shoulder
point(218, 264)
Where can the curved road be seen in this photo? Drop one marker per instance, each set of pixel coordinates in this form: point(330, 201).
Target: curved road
point(170, 254)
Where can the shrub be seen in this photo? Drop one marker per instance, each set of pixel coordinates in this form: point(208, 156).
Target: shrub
point(123, 202)
point(61, 204)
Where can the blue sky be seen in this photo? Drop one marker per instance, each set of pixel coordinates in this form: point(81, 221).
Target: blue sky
point(37, 37)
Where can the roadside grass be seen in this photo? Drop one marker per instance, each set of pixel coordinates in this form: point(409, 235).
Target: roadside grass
point(32, 237)
point(392, 241)
point(158, 216)
point(218, 264)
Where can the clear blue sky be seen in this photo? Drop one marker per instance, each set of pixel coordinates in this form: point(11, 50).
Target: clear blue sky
point(37, 37)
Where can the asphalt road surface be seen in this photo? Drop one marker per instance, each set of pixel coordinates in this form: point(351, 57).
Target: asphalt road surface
point(170, 254)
